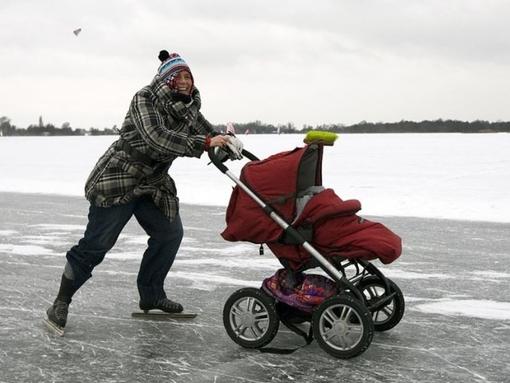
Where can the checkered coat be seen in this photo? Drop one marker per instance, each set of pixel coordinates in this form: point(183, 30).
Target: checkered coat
point(157, 129)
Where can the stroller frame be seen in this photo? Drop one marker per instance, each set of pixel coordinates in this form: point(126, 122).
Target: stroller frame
point(352, 289)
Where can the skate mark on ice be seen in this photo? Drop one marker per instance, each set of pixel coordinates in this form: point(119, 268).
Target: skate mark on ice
point(59, 227)
point(478, 377)
point(8, 248)
point(184, 367)
point(6, 233)
point(493, 275)
point(475, 308)
point(262, 264)
point(127, 318)
point(195, 228)
point(402, 274)
point(31, 264)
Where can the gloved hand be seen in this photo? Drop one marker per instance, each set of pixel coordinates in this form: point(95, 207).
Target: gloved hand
point(235, 147)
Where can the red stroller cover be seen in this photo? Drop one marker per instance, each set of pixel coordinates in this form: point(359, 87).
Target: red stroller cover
point(337, 230)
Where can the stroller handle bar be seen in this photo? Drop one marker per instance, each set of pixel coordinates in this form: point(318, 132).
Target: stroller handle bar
point(327, 266)
point(220, 164)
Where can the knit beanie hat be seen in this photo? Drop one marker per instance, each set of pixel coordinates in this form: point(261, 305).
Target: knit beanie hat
point(171, 65)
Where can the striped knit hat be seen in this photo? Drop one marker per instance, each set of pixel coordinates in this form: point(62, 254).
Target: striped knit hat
point(171, 65)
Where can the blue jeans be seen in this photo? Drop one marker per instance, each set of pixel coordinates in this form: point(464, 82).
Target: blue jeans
point(103, 229)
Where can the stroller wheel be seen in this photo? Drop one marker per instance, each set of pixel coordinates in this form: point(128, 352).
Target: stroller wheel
point(389, 315)
point(342, 326)
point(250, 318)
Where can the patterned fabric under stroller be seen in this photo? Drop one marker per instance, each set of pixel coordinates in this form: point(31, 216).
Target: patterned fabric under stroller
point(280, 202)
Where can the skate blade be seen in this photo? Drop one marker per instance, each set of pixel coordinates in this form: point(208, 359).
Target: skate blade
point(57, 330)
point(162, 316)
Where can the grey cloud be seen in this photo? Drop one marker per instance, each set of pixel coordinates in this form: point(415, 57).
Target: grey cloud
point(454, 29)
point(227, 29)
point(238, 45)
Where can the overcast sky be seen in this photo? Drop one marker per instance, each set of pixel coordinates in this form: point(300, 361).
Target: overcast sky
point(300, 61)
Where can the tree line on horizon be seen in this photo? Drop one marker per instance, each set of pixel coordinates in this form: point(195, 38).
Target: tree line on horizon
point(258, 127)
point(41, 129)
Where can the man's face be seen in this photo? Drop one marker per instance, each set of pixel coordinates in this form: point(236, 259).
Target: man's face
point(183, 82)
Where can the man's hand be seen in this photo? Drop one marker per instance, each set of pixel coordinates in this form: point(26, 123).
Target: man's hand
point(231, 146)
point(220, 141)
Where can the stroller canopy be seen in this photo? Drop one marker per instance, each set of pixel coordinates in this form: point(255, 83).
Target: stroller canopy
point(329, 223)
point(278, 181)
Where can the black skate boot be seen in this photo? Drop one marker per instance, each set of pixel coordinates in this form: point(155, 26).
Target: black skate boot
point(57, 316)
point(163, 304)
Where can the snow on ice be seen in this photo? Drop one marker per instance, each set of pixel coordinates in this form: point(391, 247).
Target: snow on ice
point(457, 176)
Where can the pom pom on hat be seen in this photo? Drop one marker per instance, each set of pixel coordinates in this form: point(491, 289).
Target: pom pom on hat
point(171, 65)
point(163, 55)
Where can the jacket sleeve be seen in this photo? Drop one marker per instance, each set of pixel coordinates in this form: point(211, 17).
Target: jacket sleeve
point(150, 125)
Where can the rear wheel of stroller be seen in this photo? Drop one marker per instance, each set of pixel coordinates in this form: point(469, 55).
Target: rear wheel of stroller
point(388, 316)
point(250, 318)
point(343, 326)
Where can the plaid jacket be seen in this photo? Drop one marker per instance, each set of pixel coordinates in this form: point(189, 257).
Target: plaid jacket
point(156, 130)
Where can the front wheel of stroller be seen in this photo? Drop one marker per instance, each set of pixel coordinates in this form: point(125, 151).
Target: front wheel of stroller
point(389, 315)
point(250, 318)
point(342, 326)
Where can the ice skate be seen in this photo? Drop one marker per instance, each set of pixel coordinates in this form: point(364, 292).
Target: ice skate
point(57, 317)
point(169, 310)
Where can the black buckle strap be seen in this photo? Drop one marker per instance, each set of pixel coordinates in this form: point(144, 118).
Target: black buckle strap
point(287, 320)
point(284, 351)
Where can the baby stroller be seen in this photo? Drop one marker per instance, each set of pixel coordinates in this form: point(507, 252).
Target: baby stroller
point(280, 202)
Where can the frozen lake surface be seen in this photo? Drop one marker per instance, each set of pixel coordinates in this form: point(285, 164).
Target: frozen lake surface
point(446, 195)
point(455, 277)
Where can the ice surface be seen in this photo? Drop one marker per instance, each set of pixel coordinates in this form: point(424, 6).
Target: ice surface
point(59, 228)
point(454, 274)
point(456, 327)
point(491, 274)
point(478, 308)
point(10, 248)
point(401, 274)
point(238, 262)
point(7, 232)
